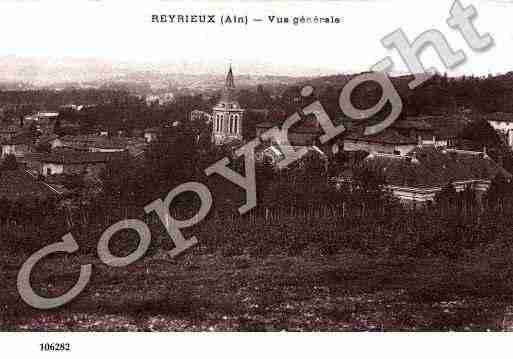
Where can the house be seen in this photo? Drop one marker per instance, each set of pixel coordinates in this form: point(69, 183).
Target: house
point(198, 115)
point(101, 131)
point(32, 162)
point(42, 116)
point(72, 106)
point(415, 128)
point(160, 99)
point(503, 124)
point(52, 141)
point(151, 134)
point(18, 145)
point(74, 162)
point(419, 175)
point(95, 143)
point(446, 129)
point(274, 154)
point(8, 131)
point(67, 127)
point(305, 132)
point(388, 141)
point(43, 120)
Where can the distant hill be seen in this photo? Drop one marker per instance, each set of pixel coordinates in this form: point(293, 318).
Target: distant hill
point(439, 95)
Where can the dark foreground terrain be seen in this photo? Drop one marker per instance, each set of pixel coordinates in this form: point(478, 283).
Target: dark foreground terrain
point(199, 292)
point(305, 289)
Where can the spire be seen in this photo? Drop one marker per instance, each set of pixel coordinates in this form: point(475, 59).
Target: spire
point(230, 84)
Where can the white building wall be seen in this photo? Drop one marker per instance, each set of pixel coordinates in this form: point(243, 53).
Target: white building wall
point(52, 169)
point(106, 150)
point(351, 145)
point(505, 128)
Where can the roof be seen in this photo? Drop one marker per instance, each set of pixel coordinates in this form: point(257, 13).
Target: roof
point(276, 152)
point(498, 117)
point(228, 94)
point(9, 128)
point(308, 124)
point(102, 142)
point(77, 157)
point(19, 184)
point(429, 166)
point(229, 79)
point(47, 138)
point(265, 124)
point(20, 139)
point(259, 115)
point(388, 136)
point(445, 127)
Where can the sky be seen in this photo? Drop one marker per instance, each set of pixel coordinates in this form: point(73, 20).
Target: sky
point(105, 35)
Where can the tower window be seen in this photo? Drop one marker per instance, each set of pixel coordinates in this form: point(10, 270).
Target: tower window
point(237, 124)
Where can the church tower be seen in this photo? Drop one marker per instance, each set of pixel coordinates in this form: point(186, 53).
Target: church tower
point(227, 114)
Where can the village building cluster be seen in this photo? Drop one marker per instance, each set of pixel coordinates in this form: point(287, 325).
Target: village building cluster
point(417, 156)
point(45, 161)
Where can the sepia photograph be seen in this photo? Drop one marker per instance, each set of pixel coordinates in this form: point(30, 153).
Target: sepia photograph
point(254, 166)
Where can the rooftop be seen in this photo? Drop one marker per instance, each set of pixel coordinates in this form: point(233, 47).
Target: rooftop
point(444, 127)
point(429, 166)
point(388, 136)
point(102, 142)
point(20, 139)
point(499, 117)
point(308, 124)
point(77, 157)
point(228, 97)
point(9, 128)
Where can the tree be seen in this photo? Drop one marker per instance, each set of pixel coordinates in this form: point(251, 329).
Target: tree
point(57, 128)
point(500, 191)
point(45, 147)
point(33, 132)
point(447, 197)
point(9, 163)
point(263, 99)
point(369, 189)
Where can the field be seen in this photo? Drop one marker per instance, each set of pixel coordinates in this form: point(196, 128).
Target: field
point(216, 288)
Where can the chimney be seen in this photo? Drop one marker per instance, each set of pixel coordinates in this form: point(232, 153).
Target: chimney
point(419, 141)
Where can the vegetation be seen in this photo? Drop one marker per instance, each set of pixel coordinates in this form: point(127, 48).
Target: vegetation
point(9, 163)
point(311, 256)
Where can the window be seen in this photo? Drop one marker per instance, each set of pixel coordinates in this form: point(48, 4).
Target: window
point(237, 124)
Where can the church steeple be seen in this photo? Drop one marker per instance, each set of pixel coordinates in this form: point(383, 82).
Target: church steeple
point(227, 114)
point(230, 84)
